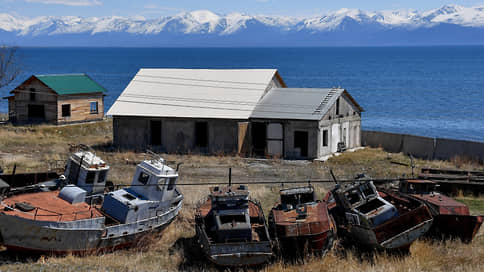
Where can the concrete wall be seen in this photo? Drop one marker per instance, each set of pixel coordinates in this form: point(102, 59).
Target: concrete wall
point(348, 119)
point(177, 135)
point(290, 127)
point(423, 147)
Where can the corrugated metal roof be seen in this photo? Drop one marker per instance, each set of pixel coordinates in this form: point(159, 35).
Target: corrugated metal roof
point(296, 103)
point(193, 93)
point(71, 83)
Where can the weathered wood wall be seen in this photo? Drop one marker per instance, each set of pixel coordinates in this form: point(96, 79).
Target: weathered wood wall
point(43, 96)
point(80, 107)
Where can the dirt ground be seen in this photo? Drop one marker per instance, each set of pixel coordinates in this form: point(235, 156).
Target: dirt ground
point(39, 148)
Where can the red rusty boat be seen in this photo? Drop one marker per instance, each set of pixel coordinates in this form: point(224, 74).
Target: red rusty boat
point(374, 219)
point(231, 228)
point(300, 224)
point(451, 218)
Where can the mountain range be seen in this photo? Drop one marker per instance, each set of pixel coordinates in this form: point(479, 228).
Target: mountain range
point(448, 25)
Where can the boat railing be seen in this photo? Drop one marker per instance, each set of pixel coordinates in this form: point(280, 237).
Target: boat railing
point(61, 215)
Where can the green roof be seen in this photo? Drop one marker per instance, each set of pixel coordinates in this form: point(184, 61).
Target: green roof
point(71, 83)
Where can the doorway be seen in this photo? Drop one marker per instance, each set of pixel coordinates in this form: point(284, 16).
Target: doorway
point(36, 113)
point(301, 142)
point(259, 136)
point(201, 134)
point(155, 132)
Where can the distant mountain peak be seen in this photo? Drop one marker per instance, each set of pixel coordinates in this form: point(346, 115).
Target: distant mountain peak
point(202, 22)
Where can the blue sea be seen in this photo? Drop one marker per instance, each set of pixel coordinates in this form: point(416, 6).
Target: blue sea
point(427, 91)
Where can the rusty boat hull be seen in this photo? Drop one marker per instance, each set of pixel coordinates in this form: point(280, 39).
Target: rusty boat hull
point(452, 219)
point(313, 234)
point(85, 236)
point(413, 221)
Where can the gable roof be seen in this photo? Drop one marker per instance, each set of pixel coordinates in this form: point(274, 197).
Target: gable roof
point(194, 93)
point(71, 83)
point(298, 103)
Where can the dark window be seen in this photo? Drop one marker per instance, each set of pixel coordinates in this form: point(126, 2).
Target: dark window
point(73, 172)
point(171, 184)
point(143, 178)
point(36, 111)
point(32, 94)
point(155, 132)
point(94, 109)
point(129, 197)
point(90, 177)
point(66, 110)
point(239, 218)
point(325, 137)
point(337, 106)
point(301, 141)
point(201, 134)
point(102, 176)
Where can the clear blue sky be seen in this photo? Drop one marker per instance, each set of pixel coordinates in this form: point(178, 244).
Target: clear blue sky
point(156, 8)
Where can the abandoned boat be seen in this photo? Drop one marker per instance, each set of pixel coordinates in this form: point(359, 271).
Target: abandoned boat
point(81, 218)
point(372, 219)
point(301, 224)
point(231, 228)
point(83, 169)
point(452, 219)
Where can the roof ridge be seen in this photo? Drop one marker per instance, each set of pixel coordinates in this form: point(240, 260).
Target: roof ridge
point(73, 74)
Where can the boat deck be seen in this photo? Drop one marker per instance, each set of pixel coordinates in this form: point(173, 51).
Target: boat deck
point(316, 221)
point(48, 207)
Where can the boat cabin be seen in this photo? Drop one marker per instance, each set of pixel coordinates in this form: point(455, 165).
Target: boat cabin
point(87, 171)
point(363, 198)
point(417, 186)
point(294, 197)
point(230, 214)
point(153, 186)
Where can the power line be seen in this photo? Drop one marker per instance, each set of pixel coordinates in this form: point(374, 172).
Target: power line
point(196, 85)
point(203, 80)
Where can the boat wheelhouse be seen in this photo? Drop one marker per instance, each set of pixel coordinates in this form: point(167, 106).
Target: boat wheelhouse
point(231, 228)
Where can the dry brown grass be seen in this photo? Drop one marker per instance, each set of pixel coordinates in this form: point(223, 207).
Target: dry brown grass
point(31, 148)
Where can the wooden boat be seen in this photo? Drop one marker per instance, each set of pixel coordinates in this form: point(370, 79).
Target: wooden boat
point(231, 228)
point(80, 218)
point(377, 220)
point(452, 219)
point(301, 224)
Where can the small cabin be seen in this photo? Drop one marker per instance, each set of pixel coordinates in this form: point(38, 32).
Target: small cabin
point(56, 99)
point(88, 171)
point(153, 186)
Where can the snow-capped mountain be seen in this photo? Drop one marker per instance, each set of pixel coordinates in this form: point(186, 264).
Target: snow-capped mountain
point(449, 24)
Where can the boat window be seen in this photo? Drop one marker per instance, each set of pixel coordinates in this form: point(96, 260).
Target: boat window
point(73, 169)
point(102, 176)
point(129, 197)
point(367, 190)
point(90, 177)
point(289, 200)
point(239, 218)
point(171, 184)
point(306, 198)
point(161, 184)
point(143, 178)
point(353, 196)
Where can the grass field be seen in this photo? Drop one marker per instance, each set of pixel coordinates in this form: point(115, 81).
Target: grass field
point(40, 147)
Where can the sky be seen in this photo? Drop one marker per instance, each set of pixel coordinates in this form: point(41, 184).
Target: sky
point(158, 8)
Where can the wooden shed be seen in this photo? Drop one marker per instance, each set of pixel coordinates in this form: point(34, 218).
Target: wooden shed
point(56, 99)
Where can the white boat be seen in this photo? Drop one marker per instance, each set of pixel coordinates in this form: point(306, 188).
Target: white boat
point(81, 218)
